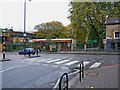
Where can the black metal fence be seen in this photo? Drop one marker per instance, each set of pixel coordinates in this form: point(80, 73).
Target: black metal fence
point(63, 84)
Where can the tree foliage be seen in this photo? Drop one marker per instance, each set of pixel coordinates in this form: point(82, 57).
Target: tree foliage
point(51, 30)
point(88, 18)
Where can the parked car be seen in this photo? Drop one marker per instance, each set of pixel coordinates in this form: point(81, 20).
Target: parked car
point(26, 51)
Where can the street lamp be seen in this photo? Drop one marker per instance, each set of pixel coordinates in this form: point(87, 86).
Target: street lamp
point(24, 34)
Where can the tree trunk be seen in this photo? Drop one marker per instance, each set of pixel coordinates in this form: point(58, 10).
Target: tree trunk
point(86, 39)
point(85, 48)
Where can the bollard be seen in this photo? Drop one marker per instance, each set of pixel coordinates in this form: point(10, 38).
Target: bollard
point(29, 53)
point(3, 55)
point(37, 52)
point(82, 70)
point(80, 73)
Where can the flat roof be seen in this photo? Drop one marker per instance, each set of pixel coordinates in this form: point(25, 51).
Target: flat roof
point(52, 39)
point(56, 40)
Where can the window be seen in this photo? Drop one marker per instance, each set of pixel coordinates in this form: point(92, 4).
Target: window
point(117, 35)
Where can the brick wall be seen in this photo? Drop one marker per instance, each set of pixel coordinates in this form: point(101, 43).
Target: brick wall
point(110, 29)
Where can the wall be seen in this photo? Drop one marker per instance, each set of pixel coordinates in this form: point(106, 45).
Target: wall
point(110, 29)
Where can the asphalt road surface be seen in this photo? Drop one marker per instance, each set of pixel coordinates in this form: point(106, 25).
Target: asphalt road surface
point(44, 71)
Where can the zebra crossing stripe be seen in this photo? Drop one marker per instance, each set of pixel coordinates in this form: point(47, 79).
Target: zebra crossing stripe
point(53, 60)
point(72, 62)
point(60, 62)
point(85, 63)
point(44, 60)
point(96, 64)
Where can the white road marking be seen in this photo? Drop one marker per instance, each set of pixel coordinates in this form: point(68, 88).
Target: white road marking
point(45, 64)
point(54, 66)
point(32, 59)
point(60, 62)
point(6, 69)
point(64, 68)
point(44, 60)
point(53, 60)
point(85, 63)
point(72, 62)
point(96, 64)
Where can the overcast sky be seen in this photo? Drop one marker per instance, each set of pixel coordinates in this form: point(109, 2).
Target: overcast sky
point(38, 11)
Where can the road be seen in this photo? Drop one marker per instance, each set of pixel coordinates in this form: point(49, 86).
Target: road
point(44, 71)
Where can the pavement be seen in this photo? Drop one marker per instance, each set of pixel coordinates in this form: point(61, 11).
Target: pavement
point(103, 77)
point(84, 52)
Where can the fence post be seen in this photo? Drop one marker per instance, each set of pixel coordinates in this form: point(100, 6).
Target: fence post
point(66, 87)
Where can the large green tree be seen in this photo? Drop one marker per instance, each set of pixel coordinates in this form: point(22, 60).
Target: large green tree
point(88, 19)
point(51, 30)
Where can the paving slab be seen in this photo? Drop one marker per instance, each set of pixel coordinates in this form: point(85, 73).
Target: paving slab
point(104, 77)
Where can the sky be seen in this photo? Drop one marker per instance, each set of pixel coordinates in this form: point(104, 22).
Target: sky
point(38, 11)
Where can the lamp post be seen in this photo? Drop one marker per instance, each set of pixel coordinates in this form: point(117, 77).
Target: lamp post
point(24, 34)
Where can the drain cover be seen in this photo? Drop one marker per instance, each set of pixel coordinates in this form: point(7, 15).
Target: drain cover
point(92, 74)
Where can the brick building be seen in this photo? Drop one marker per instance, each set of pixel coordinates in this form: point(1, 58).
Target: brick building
point(14, 39)
point(112, 41)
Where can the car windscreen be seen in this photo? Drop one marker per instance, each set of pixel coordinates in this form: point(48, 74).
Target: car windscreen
point(29, 49)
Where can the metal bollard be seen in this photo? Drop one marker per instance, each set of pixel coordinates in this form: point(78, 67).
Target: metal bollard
point(37, 52)
point(80, 73)
point(82, 70)
point(29, 53)
point(3, 55)
point(66, 86)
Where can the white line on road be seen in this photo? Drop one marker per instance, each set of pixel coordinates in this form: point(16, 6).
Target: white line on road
point(64, 68)
point(72, 62)
point(44, 60)
point(45, 64)
point(85, 63)
point(6, 69)
point(60, 62)
point(96, 64)
point(13, 68)
point(54, 66)
point(53, 60)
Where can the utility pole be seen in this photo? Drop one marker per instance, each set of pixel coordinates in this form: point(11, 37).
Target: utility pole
point(24, 34)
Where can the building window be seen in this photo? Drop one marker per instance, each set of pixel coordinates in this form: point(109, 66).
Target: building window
point(117, 35)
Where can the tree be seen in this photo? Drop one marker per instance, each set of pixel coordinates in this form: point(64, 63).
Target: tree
point(50, 30)
point(88, 19)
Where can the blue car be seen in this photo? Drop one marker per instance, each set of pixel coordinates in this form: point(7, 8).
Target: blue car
point(27, 51)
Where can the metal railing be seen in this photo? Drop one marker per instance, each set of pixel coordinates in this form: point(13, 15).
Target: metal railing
point(81, 71)
point(65, 87)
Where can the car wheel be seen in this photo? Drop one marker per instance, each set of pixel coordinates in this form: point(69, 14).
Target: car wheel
point(19, 53)
point(33, 53)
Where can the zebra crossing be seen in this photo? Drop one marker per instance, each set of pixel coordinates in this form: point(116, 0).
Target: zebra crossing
point(68, 62)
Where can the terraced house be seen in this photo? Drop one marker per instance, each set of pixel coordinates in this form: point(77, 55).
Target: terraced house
point(112, 41)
